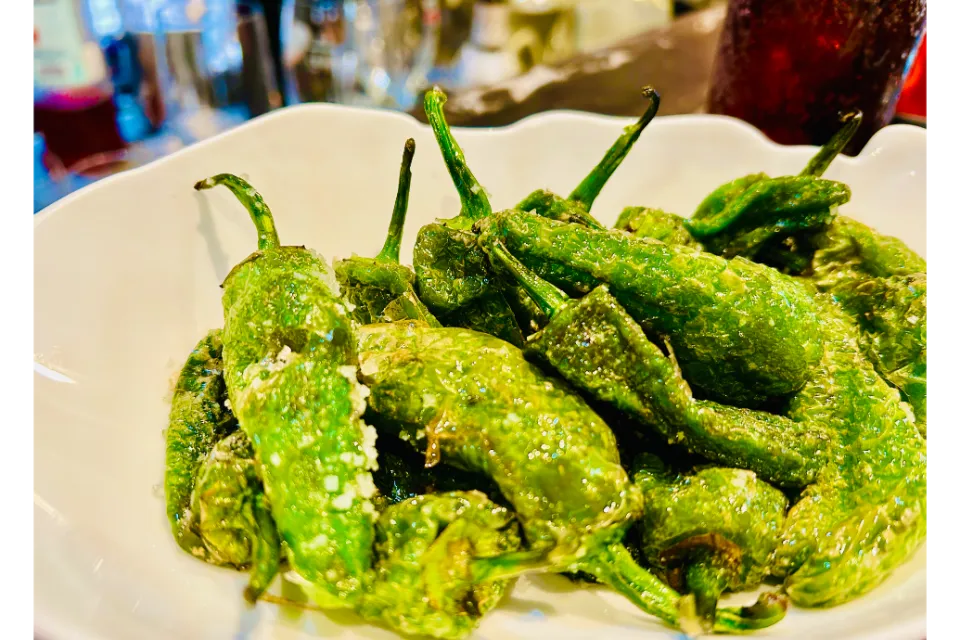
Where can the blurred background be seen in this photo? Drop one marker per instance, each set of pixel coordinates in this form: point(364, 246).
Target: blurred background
point(118, 83)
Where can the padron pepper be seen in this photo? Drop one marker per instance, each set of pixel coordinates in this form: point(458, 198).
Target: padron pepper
point(474, 401)
point(882, 284)
point(735, 218)
point(198, 419)
point(645, 222)
point(866, 514)
point(877, 279)
point(596, 346)
point(746, 216)
point(214, 498)
point(453, 277)
point(576, 207)
point(380, 288)
point(425, 549)
point(290, 369)
point(234, 517)
point(708, 532)
point(741, 332)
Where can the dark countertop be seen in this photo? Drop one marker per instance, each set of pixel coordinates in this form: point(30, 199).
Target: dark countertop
point(676, 60)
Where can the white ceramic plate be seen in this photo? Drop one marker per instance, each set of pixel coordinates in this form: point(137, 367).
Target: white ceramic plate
point(126, 281)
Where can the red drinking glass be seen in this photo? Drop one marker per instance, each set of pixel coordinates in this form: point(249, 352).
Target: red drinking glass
point(790, 67)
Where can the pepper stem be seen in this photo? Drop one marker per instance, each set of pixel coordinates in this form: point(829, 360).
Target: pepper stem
point(266, 551)
point(614, 566)
point(818, 163)
point(473, 199)
point(549, 298)
point(769, 609)
point(707, 584)
point(509, 565)
point(588, 190)
point(253, 202)
point(391, 246)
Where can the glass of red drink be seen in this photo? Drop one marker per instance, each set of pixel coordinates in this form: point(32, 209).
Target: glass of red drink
point(790, 67)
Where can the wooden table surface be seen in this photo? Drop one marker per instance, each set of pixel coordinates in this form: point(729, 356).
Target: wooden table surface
point(676, 60)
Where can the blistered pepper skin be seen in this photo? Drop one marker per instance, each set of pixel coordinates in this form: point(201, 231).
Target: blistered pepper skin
point(290, 369)
point(198, 420)
point(454, 279)
point(468, 385)
point(234, 519)
point(711, 531)
point(597, 347)
point(733, 503)
point(456, 395)
point(380, 288)
point(765, 211)
point(741, 332)
point(867, 513)
point(754, 216)
point(424, 548)
point(882, 284)
point(226, 484)
point(645, 222)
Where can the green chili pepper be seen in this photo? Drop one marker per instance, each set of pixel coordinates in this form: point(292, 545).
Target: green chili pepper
point(644, 222)
point(198, 419)
point(576, 207)
point(234, 520)
point(380, 288)
point(877, 279)
point(893, 323)
point(596, 346)
point(289, 365)
point(867, 512)
point(453, 277)
point(475, 401)
point(770, 208)
point(882, 284)
point(741, 332)
point(750, 215)
point(711, 531)
point(425, 547)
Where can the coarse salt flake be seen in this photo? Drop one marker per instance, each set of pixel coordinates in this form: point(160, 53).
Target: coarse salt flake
point(331, 483)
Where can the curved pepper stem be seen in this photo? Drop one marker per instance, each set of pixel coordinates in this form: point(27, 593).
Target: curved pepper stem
point(510, 565)
point(818, 164)
point(769, 609)
point(473, 199)
point(251, 199)
point(707, 585)
point(549, 298)
point(266, 551)
point(391, 246)
point(588, 190)
point(614, 566)
point(611, 564)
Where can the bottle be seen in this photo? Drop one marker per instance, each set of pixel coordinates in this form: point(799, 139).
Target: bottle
point(542, 31)
point(601, 23)
point(486, 58)
point(73, 104)
point(315, 75)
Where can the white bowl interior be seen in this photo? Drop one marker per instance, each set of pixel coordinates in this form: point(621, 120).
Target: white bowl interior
point(126, 281)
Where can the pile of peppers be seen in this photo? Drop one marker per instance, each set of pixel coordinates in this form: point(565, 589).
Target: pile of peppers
point(678, 407)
